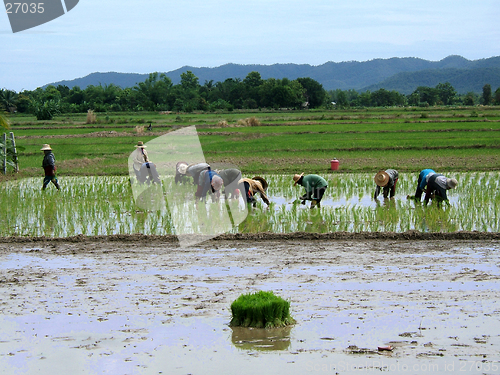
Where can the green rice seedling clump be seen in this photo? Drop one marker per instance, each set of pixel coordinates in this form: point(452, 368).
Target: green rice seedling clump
point(260, 310)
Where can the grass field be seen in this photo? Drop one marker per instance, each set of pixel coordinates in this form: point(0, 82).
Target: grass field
point(408, 139)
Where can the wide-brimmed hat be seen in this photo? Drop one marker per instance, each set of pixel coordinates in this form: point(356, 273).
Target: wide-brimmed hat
point(217, 182)
point(296, 178)
point(46, 147)
point(262, 181)
point(141, 144)
point(451, 183)
point(382, 178)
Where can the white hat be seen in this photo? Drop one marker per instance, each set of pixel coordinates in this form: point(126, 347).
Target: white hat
point(182, 169)
point(46, 147)
point(141, 144)
point(217, 182)
point(451, 183)
point(382, 178)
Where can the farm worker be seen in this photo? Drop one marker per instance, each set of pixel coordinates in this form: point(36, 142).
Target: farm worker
point(194, 171)
point(49, 167)
point(253, 186)
point(180, 171)
point(209, 182)
point(230, 177)
point(315, 188)
point(140, 156)
point(423, 177)
point(148, 173)
point(387, 181)
point(437, 184)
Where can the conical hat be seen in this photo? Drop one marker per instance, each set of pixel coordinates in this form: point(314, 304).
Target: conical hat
point(382, 178)
point(262, 181)
point(296, 178)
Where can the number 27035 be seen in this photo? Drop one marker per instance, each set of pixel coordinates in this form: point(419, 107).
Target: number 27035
point(24, 7)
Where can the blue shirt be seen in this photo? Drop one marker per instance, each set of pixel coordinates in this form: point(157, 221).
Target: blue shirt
point(424, 176)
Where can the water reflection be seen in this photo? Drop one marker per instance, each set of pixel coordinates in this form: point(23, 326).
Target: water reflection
point(105, 206)
point(261, 338)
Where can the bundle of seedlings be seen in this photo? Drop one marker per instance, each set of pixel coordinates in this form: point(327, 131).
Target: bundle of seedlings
point(260, 310)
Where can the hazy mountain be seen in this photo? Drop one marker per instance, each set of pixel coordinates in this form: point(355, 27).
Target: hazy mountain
point(401, 74)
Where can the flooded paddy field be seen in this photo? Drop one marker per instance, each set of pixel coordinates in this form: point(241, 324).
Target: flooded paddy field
point(144, 305)
point(105, 206)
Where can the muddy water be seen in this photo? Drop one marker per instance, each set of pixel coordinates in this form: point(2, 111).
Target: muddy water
point(126, 308)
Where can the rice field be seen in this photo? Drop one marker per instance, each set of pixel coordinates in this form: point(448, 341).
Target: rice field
point(106, 206)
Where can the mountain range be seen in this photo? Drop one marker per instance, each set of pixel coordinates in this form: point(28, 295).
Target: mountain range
point(399, 74)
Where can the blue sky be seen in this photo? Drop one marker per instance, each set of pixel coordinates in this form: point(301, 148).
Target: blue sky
point(160, 35)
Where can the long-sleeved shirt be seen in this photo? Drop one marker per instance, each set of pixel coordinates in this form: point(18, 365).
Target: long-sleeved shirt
point(390, 188)
point(437, 185)
point(424, 177)
point(205, 181)
point(140, 157)
point(312, 182)
point(49, 164)
point(255, 187)
point(230, 175)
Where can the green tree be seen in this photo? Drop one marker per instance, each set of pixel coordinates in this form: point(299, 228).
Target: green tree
point(446, 93)
point(487, 94)
point(8, 100)
point(45, 110)
point(469, 98)
point(314, 92)
point(340, 99)
point(152, 94)
point(497, 96)
point(427, 95)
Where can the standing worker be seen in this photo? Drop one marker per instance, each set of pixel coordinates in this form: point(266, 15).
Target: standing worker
point(140, 156)
point(315, 188)
point(423, 177)
point(387, 181)
point(49, 167)
point(437, 184)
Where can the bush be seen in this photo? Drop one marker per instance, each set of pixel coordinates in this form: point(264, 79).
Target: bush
point(261, 310)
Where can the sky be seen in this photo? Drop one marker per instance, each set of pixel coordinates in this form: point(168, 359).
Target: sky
point(132, 36)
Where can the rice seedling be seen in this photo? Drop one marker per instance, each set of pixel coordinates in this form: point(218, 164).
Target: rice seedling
point(260, 310)
point(106, 206)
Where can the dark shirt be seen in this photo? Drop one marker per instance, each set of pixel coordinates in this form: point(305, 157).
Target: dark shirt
point(49, 164)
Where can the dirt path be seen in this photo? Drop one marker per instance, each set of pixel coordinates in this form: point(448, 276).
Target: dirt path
point(144, 305)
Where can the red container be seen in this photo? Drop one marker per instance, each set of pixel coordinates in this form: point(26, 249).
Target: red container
point(334, 164)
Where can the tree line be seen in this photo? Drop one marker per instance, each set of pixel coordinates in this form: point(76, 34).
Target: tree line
point(158, 93)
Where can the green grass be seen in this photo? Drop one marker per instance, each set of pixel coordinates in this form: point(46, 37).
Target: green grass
point(408, 139)
point(260, 310)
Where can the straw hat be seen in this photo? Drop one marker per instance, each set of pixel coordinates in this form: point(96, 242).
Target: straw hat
point(141, 144)
point(217, 182)
point(262, 181)
point(382, 178)
point(296, 178)
point(451, 183)
point(46, 147)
